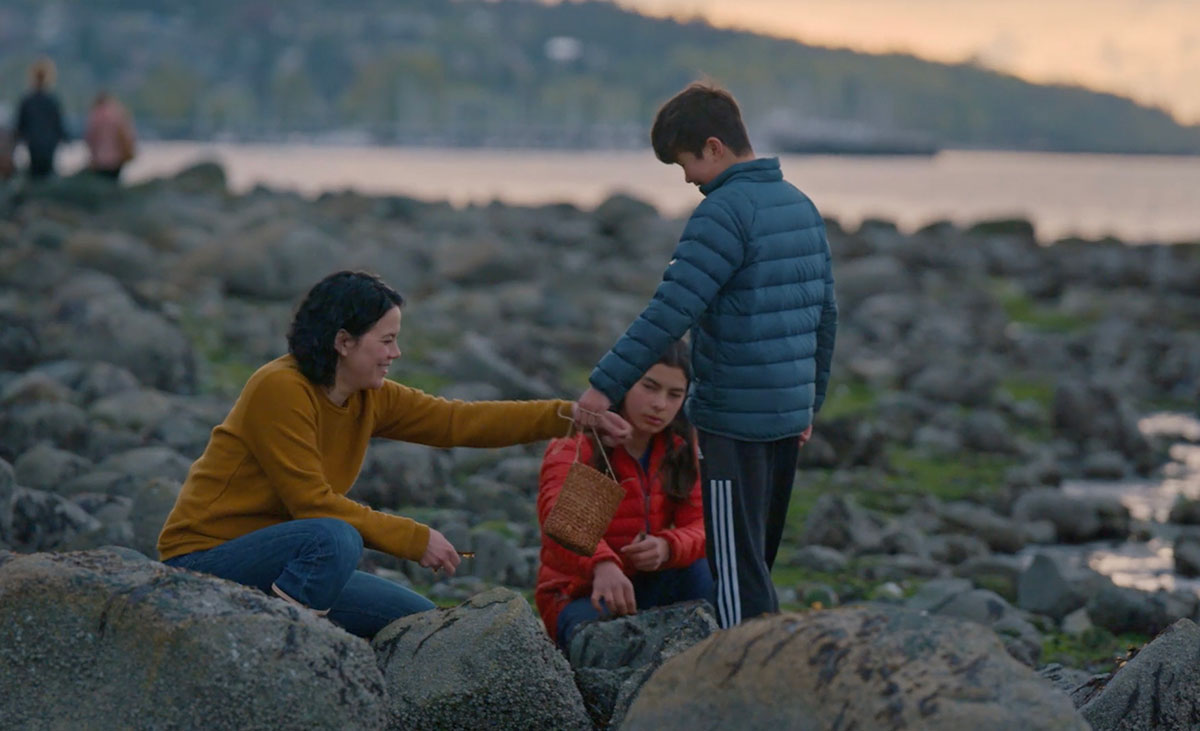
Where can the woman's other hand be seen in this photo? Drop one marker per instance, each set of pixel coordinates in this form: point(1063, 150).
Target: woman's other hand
point(440, 554)
point(612, 586)
point(648, 553)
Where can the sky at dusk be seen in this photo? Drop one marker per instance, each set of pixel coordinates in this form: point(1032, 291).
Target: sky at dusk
point(1145, 49)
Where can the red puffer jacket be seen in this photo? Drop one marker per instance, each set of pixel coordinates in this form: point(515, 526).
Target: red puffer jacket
point(563, 575)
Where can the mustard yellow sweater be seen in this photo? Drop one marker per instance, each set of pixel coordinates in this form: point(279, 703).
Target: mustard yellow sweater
point(285, 451)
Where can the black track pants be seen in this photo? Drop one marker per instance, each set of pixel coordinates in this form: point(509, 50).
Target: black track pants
point(746, 486)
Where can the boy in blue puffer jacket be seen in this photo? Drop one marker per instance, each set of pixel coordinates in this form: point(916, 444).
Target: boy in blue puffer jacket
point(752, 278)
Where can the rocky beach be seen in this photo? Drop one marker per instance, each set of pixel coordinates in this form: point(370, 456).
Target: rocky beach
point(934, 573)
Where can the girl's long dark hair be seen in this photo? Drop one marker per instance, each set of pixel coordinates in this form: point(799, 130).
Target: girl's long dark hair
point(678, 468)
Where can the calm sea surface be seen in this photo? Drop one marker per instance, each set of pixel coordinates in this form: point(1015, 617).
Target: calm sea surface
point(1136, 198)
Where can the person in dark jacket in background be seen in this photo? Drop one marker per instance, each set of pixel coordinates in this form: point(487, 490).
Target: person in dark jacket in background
point(752, 278)
point(39, 120)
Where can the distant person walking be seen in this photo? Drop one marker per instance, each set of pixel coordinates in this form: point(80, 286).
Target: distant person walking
point(110, 136)
point(39, 120)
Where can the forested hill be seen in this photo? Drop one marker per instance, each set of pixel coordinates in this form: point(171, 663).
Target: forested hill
point(518, 73)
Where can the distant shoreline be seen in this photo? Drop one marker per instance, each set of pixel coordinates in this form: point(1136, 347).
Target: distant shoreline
point(1135, 198)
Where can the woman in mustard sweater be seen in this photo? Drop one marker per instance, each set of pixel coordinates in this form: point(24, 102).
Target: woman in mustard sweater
point(266, 505)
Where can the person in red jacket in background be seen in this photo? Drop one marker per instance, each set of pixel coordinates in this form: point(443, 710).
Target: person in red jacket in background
point(653, 552)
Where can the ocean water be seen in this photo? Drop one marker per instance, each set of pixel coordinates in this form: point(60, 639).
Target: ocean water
point(1140, 199)
point(1146, 565)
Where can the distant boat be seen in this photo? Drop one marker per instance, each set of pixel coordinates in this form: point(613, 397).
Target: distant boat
point(830, 137)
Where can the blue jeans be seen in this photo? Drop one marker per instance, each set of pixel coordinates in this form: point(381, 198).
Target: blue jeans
point(313, 561)
point(650, 589)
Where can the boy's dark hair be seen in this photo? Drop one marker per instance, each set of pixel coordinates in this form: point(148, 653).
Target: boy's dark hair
point(350, 301)
point(692, 116)
point(678, 469)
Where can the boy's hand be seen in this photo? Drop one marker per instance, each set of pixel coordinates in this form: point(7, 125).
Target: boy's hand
point(613, 429)
point(805, 435)
point(591, 405)
point(591, 412)
point(611, 585)
point(647, 553)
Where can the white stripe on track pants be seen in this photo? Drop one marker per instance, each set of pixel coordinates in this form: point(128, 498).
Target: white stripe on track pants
point(746, 487)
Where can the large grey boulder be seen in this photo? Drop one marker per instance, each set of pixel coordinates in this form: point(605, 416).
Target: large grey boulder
point(1098, 415)
point(112, 513)
point(498, 560)
point(21, 427)
point(43, 521)
point(621, 217)
point(123, 256)
point(481, 260)
point(838, 522)
point(1071, 681)
point(81, 190)
point(862, 278)
point(95, 319)
point(1045, 589)
point(1120, 609)
point(133, 410)
point(612, 659)
point(46, 468)
point(819, 558)
point(991, 610)
point(988, 431)
point(999, 532)
point(870, 666)
point(92, 640)
point(87, 381)
point(151, 505)
point(959, 598)
point(1076, 518)
point(485, 663)
point(148, 463)
point(477, 359)
point(206, 177)
point(1186, 555)
point(1158, 689)
point(31, 388)
point(396, 474)
point(278, 260)
point(969, 383)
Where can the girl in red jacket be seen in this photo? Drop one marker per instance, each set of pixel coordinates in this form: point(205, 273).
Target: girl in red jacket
point(653, 552)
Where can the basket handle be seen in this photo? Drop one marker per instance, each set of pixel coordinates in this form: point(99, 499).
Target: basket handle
point(579, 442)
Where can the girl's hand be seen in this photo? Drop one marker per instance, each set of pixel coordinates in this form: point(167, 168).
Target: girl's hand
point(648, 553)
point(440, 554)
point(611, 585)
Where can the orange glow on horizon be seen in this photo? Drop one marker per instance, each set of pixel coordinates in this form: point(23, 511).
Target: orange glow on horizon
point(1148, 50)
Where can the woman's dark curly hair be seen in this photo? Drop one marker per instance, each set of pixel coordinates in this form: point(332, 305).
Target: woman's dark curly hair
point(678, 469)
point(350, 301)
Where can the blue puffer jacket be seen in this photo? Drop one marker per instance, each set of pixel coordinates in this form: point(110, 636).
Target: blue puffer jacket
point(752, 278)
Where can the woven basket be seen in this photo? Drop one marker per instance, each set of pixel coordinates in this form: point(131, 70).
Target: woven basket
point(585, 506)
